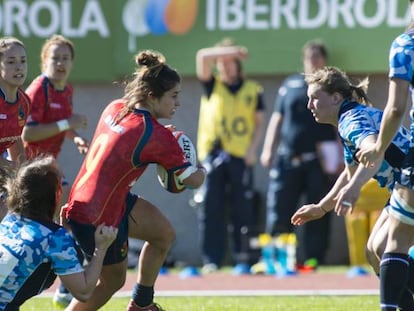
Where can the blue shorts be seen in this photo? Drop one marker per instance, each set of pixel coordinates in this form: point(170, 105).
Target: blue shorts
point(84, 234)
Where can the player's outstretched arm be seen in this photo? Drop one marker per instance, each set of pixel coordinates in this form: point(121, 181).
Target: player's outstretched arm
point(82, 284)
point(307, 213)
point(311, 212)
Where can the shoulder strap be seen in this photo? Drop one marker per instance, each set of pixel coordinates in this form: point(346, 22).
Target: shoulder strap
point(45, 86)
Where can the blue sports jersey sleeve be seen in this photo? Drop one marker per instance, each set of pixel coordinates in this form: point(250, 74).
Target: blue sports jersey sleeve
point(401, 65)
point(63, 254)
point(354, 127)
point(401, 58)
point(28, 249)
point(357, 124)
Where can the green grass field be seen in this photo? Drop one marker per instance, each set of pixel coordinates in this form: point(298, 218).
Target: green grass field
point(258, 303)
point(240, 303)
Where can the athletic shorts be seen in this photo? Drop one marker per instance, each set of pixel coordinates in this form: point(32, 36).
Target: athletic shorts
point(84, 234)
point(398, 207)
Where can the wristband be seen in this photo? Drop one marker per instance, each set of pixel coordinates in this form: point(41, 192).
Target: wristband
point(63, 125)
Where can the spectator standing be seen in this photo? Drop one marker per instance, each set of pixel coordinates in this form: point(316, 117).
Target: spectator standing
point(230, 130)
point(302, 156)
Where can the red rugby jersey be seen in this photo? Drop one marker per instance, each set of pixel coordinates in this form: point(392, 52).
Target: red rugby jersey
point(118, 155)
point(12, 118)
point(48, 105)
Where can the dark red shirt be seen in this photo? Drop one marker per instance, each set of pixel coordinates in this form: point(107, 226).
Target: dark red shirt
point(12, 118)
point(118, 155)
point(48, 105)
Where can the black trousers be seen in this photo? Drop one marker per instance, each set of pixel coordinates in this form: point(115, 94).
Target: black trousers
point(292, 183)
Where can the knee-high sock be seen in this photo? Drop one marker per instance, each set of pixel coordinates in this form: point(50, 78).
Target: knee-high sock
point(406, 301)
point(393, 279)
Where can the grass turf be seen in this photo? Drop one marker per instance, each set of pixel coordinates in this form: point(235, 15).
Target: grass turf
point(236, 303)
point(308, 303)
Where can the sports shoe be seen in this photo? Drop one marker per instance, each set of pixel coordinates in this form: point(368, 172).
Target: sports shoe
point(61, 300)
point(241, 269)
point(356, 271)
point(309, 265)
point(132, 306)
point(209, 268)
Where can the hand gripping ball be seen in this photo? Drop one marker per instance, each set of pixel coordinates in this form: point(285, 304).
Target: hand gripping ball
point(168, 180)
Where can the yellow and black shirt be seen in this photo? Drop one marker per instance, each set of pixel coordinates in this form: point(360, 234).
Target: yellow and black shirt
point(227, 115)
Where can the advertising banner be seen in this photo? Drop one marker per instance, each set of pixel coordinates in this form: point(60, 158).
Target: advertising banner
point(108, 33)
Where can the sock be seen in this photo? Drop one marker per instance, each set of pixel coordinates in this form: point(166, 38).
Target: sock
point(393, 279)
point(410, 281)
point(143, 295)
point(406, 301)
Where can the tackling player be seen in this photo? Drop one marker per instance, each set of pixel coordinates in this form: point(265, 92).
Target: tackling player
point(334, 100)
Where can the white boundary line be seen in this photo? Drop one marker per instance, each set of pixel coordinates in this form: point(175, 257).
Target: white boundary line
point(223, 293)
point(204, 293)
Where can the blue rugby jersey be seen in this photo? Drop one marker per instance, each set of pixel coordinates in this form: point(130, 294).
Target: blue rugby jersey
point(31, 255)
point(356, 122)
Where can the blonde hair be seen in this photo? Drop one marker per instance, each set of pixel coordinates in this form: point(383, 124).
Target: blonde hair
point(55, 40)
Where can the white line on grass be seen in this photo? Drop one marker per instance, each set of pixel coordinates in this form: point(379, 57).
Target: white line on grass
point(223, 293)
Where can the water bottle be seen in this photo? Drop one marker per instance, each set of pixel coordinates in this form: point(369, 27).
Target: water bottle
point(282, 254)
point(291, 253)
point(268, 252)
point(286, 254)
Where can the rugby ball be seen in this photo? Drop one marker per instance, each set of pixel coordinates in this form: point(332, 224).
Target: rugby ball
point(168, 180)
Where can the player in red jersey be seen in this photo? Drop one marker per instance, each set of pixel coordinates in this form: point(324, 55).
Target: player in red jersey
point(127, 139)
point(14, 103)
point(51, 118)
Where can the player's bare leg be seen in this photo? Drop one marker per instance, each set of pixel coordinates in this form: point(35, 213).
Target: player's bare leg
point(395, 262)
point(112, 278)
point(377, 241)
point(147, 223)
